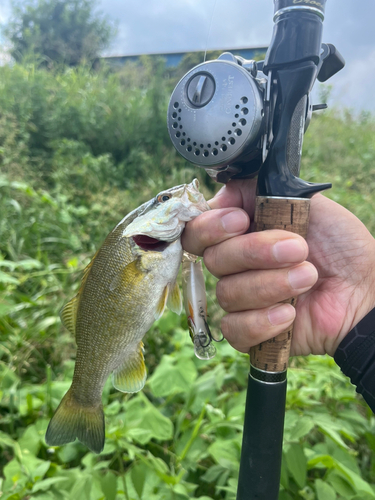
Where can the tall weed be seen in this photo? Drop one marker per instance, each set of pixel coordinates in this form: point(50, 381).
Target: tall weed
point(78, 150)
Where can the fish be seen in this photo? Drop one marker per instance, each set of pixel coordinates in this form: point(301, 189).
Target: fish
point(195, 302)
point(124, 289)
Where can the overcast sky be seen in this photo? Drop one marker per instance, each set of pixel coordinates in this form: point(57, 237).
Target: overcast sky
point(152, 26)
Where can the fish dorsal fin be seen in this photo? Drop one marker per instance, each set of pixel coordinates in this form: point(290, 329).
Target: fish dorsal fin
point(162, 303)
point(68, 314)
point(131, 375)
point(87, 269)
point(130, 276)
point(174, 302)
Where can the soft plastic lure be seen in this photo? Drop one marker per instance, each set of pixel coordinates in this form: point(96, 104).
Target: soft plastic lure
point(195, 302)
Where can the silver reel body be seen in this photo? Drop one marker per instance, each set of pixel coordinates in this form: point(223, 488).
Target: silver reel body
point(216, 114)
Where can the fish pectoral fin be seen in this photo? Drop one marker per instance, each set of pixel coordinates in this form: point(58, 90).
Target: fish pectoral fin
point(162, 303)
point(174, 302)
point(131, 375)
point(131, 275)
point(68, 314)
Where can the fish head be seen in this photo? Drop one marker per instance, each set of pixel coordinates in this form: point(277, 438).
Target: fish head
point(164, 217)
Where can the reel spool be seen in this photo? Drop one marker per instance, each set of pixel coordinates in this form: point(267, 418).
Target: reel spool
point(215, 114)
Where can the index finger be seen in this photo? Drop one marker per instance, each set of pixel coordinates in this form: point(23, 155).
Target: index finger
point(213, 227)
point(239, 193)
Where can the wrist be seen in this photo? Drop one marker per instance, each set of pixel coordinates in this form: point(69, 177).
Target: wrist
point(356, 357)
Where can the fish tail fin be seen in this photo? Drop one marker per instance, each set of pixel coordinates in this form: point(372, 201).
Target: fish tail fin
point(73, 420)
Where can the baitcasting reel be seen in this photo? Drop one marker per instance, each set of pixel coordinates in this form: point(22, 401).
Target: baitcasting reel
point(222, 114)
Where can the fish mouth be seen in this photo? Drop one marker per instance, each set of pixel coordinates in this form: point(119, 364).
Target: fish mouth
point(150, 244)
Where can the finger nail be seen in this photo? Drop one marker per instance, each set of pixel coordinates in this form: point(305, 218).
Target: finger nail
point(235, 222)
point(280, 314)
point(291, 250)
point(302, 276)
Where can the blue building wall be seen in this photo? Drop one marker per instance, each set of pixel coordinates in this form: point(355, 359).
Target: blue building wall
point(172, 59)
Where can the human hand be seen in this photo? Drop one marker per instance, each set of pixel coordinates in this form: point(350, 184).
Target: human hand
point(333, 274)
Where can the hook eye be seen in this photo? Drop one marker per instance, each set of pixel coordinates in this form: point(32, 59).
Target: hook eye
point(203, 339)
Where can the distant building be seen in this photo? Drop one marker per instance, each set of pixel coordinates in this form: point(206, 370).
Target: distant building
point(173, 59)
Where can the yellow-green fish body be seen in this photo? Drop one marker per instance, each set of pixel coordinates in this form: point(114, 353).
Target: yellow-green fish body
point(124, 289)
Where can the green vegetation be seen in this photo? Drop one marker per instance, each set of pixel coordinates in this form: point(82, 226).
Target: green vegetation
point(63, 31)
point(78, 150)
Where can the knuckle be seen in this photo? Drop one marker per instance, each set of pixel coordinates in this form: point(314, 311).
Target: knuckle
point(211, 259)
point(198, 230)
point(262, 287)
point(254, 249)
point(223, 294)
point(272, 286)
point(247, 252)
point(225, 326)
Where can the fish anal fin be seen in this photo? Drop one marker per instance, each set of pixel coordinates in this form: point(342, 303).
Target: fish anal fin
point(174, 302)
point(131, 375)
point(131, 275)
point(68, 314)
point(73, 420)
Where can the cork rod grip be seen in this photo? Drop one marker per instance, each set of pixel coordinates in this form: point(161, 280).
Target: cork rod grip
point(290, 214)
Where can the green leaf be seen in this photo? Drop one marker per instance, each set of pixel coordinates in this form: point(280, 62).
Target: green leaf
point(6, 307)
point(223, 450)
point(173, 375)
point(301, 428)
point(30, 440)
point(324, 491)
point(47, 322)
point(359, 484)
point(7, 278)
point(145, 422)
point(213, 473)
point(138, 476)
point(355, 481)
point(6, 440)
point(347, 459)
point(109, 485)
point(341, 485)
point(41, 470)
point(297, 463)
point(283, 495)
point(330, 427)
point(28, 264)
point(69, 452)
point(46, 484)
point(284, 478)
point(82, 488)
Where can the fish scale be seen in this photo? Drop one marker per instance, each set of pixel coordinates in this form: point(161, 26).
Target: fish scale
point(123, 290)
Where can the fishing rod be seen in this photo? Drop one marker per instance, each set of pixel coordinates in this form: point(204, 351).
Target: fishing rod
point(240, 119)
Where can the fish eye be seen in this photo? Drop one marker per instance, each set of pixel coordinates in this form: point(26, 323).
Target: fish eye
point(162, 198)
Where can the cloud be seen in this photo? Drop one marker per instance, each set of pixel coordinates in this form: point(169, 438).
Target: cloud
point(187, 25)
point(158, 26)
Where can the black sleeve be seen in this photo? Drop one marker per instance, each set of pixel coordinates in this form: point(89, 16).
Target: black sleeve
point(356, 357)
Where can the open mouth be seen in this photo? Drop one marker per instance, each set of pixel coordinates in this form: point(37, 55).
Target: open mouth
point(147, 243)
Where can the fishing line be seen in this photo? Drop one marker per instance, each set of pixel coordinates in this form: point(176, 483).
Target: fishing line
point(205, 52)
point(209, 30)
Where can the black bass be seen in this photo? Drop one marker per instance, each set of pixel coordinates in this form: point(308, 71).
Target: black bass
point(124, 289)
